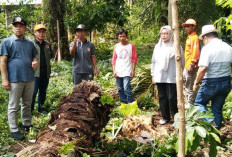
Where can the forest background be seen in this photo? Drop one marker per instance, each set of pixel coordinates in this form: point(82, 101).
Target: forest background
point(103, 18)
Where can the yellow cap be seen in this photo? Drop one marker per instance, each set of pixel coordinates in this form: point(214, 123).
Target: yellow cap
point(39, 26)
point(190, 22)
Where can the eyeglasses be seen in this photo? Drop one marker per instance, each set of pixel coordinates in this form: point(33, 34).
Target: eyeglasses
point(163, 33)
point(188, 25)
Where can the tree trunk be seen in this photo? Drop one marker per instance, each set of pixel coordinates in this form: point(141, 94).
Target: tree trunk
point(179, 79)
point(79, 121)
point(55, 10)
point(169, 13)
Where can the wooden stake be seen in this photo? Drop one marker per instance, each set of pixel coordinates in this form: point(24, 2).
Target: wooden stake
point(59, 58)
point(179, 79)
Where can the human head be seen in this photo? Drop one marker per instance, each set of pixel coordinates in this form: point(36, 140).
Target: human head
point(166, 33)
point(19, 27)
point(40, 32)
point(81, 32)
point(190, 26)
point(122, 35)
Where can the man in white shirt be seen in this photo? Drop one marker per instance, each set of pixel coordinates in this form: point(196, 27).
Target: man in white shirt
point(124, 61)
point(214, 72)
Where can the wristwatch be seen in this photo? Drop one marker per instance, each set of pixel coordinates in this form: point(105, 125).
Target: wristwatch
point(196, 83)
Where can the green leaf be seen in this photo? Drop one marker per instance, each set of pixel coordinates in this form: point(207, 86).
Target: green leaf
point(191, 111)
point(216, 137)
point(196, 142)
point(204, 114)
point(189, 136)
point(201, 131)
point(213, 145)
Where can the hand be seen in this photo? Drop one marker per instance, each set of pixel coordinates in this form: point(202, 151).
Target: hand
point(153, 80)
point(95, 72)
point(115, 74)
point(34, 64)
point(195, 87)
point(6, 84)
point(76, 39)
point(132, 74)
point(190, 69)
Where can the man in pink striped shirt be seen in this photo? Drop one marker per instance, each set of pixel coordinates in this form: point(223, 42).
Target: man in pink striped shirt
point(124, 61)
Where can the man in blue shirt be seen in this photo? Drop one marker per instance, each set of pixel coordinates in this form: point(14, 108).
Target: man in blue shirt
point(18, 61)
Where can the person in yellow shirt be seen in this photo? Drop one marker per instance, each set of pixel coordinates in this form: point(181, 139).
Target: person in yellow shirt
point(192, 55)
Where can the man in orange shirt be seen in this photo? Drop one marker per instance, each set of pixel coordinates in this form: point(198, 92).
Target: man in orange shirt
point(192, 55)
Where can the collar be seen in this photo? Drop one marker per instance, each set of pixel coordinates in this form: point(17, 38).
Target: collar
point(36, 41)
point(193, 33)
point(16, 38)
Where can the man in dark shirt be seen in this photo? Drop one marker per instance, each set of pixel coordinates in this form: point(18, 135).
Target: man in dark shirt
point(84, 64)
point(42, 73)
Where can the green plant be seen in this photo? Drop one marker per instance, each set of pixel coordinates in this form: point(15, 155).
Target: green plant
point(107, 99)
point(198, 130)
point(66, 148)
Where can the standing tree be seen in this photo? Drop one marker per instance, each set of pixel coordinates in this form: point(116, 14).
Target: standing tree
point(179, 79)
point(54, 12)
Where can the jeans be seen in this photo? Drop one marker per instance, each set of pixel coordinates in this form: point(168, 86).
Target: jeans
point(124, 89)
point(41, 85)
point(216, 90)
point(78, 77)
point(189, 79)
point(20, 90)
point(167, 99)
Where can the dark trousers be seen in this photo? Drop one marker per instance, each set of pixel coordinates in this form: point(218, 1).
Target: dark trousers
point(167, 99)
point(41, 85)
point(78, 77)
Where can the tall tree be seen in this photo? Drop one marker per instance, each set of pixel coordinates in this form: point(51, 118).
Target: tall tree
point(54, 12)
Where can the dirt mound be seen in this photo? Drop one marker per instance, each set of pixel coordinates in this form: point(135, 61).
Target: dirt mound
point(79, 119)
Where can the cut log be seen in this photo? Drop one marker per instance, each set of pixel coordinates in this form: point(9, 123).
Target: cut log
point(79, 119)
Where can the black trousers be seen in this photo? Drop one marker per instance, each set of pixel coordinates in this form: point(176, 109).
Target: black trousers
point(167, 99)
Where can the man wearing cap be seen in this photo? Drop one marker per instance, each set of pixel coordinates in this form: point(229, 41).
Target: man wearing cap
point(192, 54)
point(214, 74)
point(84, 64)
point(42, 73)
point(18, 61)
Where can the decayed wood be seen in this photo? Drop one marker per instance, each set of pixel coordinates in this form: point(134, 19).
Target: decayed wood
point(179, 79)
point(79, 119)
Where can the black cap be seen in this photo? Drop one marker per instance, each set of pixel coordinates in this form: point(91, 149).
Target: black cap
point(81, 27)
point(19, 20)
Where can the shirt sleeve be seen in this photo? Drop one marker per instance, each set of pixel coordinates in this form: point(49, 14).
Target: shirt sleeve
point(3, 48)
point(114, 56)
point(134, 54)
point(71, 45)
point(204, 59)
point(153, 62)
point(92, 50)
point(34, 51)
point(195, 49)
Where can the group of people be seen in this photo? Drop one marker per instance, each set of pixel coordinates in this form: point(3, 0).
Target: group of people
point(26, 68)
point(209, 67)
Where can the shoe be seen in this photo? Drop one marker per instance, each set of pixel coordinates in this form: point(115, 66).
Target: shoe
point(163, 121)
point(17, 135)
point(27, 128)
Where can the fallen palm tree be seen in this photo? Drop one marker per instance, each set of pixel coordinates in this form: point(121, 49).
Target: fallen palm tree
point(78, 120)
